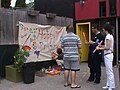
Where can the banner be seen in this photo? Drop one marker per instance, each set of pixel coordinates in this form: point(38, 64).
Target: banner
point(42, 39)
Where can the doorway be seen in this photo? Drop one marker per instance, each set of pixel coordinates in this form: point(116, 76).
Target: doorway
point(80, 29)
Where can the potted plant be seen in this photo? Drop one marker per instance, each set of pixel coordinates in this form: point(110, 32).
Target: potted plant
point(20, 58)
point(15, 72)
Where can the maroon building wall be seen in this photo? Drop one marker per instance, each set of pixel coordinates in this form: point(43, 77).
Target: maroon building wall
point(118, 7)
point(90, 9)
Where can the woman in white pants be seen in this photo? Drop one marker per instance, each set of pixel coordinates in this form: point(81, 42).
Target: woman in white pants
point(108, 56)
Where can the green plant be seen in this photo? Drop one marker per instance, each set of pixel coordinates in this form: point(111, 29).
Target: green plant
point(20, 58)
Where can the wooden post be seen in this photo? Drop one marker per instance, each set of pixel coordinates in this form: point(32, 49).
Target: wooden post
point(119, 73)
point(0, 3)
point(118, 61)
point(119, 69)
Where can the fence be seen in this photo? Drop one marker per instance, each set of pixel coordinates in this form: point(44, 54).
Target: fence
point(9, 19)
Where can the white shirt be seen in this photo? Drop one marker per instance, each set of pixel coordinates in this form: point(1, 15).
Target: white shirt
point(109, 37)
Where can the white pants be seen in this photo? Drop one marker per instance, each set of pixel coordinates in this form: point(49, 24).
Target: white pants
point(108, 59)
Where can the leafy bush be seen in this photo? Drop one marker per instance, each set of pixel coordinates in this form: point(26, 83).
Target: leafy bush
point(20, 58)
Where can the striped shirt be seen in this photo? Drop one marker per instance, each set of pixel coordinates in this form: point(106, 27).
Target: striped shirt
point(70, 43)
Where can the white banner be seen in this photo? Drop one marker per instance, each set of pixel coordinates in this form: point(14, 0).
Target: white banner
point(42, 39)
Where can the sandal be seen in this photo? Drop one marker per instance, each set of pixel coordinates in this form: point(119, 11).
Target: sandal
point(66, 85)
point(77, 86)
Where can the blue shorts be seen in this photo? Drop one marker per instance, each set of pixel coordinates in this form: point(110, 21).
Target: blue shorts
point(72, 65)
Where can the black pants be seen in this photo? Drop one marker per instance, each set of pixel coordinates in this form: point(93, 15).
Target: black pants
point(94, 63)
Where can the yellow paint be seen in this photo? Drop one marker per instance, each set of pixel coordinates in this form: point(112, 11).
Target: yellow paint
point(86, 28)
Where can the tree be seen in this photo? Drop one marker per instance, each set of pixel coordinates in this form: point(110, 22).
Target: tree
point(5, 3)
point(20, 3)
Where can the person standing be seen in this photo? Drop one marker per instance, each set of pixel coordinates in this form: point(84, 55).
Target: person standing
point(71, 44)
point(108, 56)
point(95, 58)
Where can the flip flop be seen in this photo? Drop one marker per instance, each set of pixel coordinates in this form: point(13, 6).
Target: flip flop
point(66, 85)
point(77, 86)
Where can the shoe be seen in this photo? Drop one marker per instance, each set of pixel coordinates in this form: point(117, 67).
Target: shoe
point(97, 81)
point(110, 89)
point(66, 85)
point(77, 86)
point(105, 87)
point(90, 79)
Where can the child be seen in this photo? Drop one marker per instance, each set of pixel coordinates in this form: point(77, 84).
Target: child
point(60, 54)
point(58, 57)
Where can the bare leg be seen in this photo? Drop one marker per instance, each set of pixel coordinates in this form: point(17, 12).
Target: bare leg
point(74, 85)
point(66, 76)
point(73, 78)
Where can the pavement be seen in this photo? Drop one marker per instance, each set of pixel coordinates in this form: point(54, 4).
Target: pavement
point(56, 82)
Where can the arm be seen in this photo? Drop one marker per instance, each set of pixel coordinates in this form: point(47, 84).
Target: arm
point(90, 42)
point(103, 47)
point(79, 46)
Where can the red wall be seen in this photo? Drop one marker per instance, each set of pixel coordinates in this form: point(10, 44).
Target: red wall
point(118, 7)
point(89, 10)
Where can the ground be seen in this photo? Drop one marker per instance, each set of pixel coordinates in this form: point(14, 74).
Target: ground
point(48, 82)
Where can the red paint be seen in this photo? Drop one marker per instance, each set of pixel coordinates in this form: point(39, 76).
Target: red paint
point(90, 9)
point(118, 7)
point(107, 8)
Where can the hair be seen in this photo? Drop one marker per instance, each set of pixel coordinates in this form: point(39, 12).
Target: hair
point(96, 26)
point(59, 50)
point(108, 28)
point(70, 28)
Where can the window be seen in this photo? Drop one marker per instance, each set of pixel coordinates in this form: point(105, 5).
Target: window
point(112, 6)
point(102, 8)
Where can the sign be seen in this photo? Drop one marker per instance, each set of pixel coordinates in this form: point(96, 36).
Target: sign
point(42, 39)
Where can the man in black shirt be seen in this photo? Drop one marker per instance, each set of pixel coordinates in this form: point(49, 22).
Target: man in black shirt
point(95, 57)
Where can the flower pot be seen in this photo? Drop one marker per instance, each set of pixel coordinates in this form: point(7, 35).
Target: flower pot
point(29, 72)
point(12, 74)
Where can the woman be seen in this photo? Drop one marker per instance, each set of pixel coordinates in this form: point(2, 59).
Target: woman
point(108, 56)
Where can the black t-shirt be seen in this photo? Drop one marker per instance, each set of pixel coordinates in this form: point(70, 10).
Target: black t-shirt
point(97, 39)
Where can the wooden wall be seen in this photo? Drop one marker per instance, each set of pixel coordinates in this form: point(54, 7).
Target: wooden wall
point(10, 18)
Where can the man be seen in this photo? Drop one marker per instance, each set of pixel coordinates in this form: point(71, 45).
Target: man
point(71, 44)
point(95, 57)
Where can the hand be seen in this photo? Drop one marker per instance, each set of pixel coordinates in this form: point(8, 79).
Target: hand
point(101, 46)
point(86, 42)
point(91, 42)
point(97, 48)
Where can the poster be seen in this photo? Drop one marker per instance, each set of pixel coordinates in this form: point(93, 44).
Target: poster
point(42, 39)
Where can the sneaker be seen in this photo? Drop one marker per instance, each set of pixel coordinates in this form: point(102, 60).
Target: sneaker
point(105, 87)
point(110, 89)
